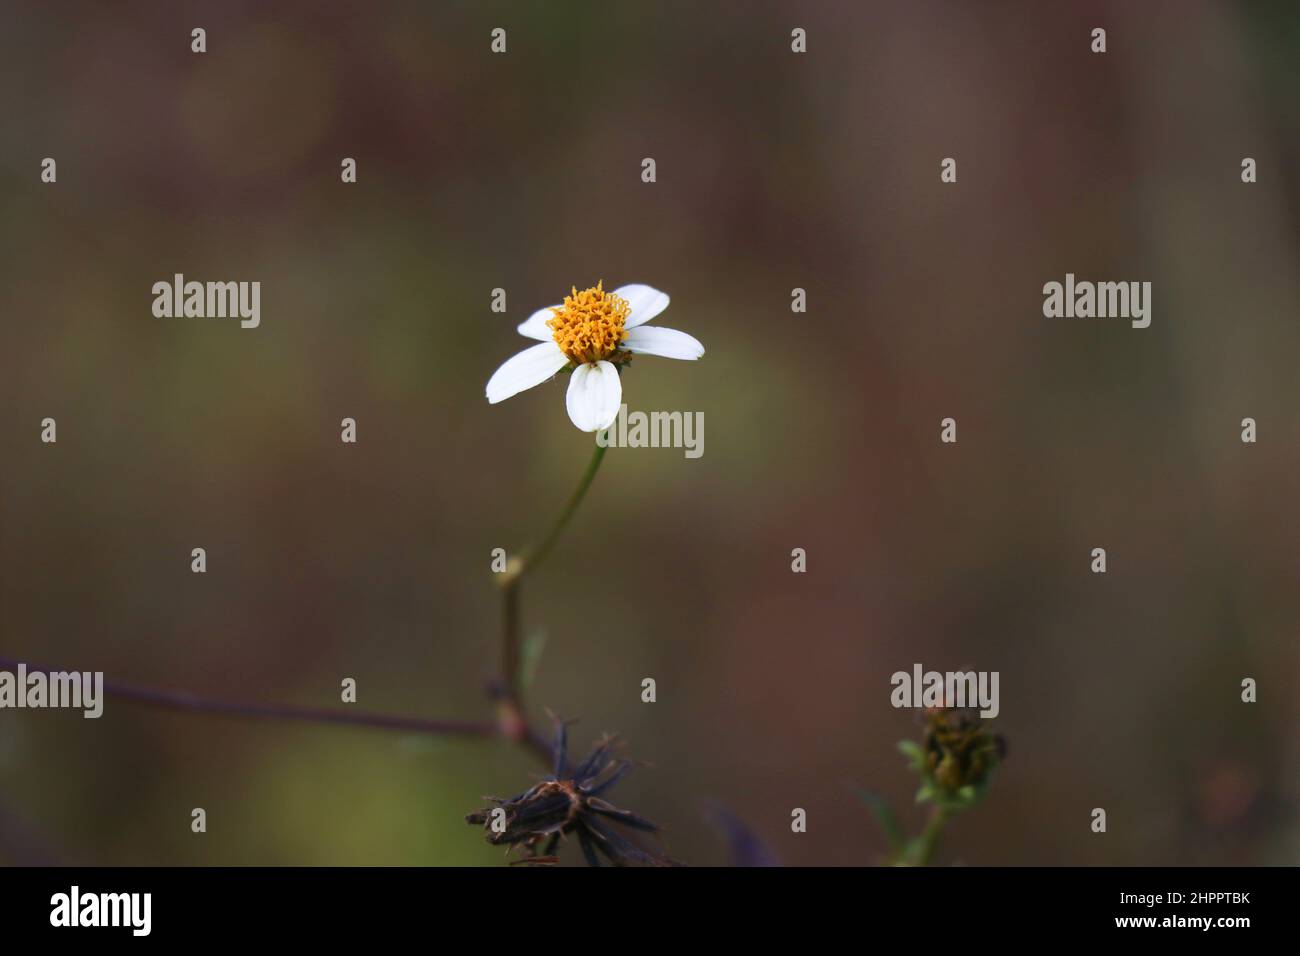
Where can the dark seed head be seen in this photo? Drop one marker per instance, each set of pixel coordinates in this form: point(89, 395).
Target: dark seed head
point(960, 750)
point(570, 802)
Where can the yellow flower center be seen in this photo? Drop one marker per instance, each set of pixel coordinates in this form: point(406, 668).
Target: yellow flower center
point(589, 326)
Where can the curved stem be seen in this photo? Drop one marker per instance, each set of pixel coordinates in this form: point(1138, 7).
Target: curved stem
point(513, 719)
point(537, 557)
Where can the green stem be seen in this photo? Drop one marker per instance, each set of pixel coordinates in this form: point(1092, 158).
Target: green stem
point(536, 558)
point(514, 721)
point(923, 848)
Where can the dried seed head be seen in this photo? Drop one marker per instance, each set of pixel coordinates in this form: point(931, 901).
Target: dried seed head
point(570, 802)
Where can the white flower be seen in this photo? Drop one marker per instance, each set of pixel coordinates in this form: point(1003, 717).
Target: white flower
point(593, 332)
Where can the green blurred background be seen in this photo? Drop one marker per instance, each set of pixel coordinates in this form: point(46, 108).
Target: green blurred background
point(775, 171)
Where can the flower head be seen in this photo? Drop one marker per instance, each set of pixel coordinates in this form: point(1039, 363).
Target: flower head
point(593, 333)
point(590, 325)
point(960, 752)
point(569, 802)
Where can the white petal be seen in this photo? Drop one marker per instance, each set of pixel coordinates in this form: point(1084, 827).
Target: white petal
point(535, 325)
point(530, 367)
point(668, 343)
point(646, 303)
point(595, 394)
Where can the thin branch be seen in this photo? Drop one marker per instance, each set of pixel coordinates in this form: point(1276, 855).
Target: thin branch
point(177, 700)
point(512, 720)
point(511, 652)
point(509, 691)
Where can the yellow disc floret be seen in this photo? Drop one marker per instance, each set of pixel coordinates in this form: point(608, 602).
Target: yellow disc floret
point(589, 326)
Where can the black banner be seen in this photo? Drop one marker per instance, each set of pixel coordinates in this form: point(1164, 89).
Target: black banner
point(965, 904)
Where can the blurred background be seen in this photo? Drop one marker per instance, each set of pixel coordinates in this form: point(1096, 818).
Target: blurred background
point(775, 171)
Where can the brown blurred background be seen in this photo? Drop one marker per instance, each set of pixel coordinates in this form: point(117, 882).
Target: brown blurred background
point(775, 171)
